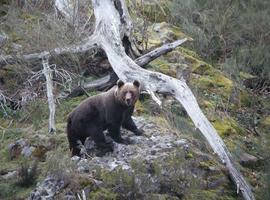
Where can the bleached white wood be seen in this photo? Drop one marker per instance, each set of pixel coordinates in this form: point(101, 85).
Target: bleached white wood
point(49, 87)
point(87, 44)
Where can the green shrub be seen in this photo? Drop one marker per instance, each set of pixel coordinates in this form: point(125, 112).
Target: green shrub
point(235, 33)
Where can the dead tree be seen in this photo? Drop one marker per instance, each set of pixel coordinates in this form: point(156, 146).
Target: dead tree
point(49, 87)
point(113, 35)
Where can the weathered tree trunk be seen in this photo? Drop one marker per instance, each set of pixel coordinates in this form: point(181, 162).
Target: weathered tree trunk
point(49, 87)
point(110, 33)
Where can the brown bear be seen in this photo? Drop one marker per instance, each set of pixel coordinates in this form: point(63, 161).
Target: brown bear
point(106, 111)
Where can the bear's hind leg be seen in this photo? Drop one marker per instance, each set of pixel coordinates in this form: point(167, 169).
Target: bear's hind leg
point(74, 145)
point(99, 138)
point(115, 133)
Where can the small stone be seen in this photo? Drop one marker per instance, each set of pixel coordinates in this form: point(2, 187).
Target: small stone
point(83, 169)
point(27, 151)
point(75, 159)
point(179, 143)
point(15, 148)
point(70, 196)
point(248, 160)
point(186, 148)
point(10, 175)
point(47, 189)
point(16, 47)
point(3, 39)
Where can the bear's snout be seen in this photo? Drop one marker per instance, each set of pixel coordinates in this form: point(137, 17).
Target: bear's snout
point(128, 101)
point(128, 98)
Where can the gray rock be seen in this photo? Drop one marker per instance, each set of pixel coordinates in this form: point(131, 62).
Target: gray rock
point(10, 175)
point(27, 151)
point(179, 143)
point(83, 165)
point(3, 39)
point(15, 148)
point(76, 159)
point(248, 160)
point(70, 196)
point(47, 189)
point(16, 47)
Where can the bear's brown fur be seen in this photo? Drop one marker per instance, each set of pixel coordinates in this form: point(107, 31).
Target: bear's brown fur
point(106, 111)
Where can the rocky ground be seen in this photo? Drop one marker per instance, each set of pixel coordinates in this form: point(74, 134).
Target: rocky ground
point(158, 165)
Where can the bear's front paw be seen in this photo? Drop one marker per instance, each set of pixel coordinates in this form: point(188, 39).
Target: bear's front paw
point(138, 132)
point(122, 141)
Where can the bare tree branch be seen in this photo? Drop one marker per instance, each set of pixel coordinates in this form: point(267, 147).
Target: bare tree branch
point(86, 45)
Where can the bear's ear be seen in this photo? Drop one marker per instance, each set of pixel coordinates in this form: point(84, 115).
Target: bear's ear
point(136, 83)
point(120, 83)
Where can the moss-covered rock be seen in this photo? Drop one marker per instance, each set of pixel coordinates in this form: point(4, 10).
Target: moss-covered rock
point(164, 67)
point(227, 127)
point(160, 33)
point(216, 84)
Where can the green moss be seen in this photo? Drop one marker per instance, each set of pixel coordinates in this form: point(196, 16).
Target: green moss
point(202, 68)
point(217, 84)
point(206, 104)
point(244, 75)
point(265, 123)
point(103, 194)
point(204, 76)
point(185, 51)
point(206, 164)
point(163, 66)
point(160, 33)
point(205, 82)
point(189, 155)
point(227, 127)
point(198, 65)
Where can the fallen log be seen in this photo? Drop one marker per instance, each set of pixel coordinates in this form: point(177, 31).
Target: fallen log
point(110, 79)
point(108, 30)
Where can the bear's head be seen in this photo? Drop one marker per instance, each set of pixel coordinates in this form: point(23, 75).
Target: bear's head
point(127, 93)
